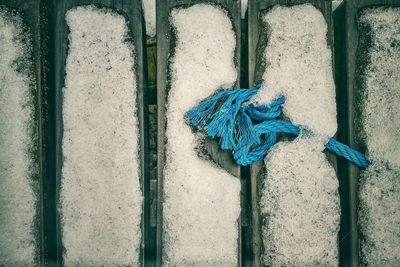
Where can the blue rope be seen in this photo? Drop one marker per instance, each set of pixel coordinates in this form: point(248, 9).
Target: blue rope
point(250, 131)
point(347, 152)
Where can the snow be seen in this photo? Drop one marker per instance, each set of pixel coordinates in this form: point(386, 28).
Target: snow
point(299, 60)
point(149, 9)
point(380, 126)
point(244, 5)
point(380, 215)
point(299, 206)
point(381, 121)
point(336, 4)
point(201, 201)
point(18, 167)
point(101, 199)
point(299, 201)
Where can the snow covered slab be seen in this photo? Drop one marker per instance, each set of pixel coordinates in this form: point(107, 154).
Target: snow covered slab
point(258, 40)
point(358, 44)
point(201, 201)
point(299, 203)
point(19, 170)
point(299, 206)
point(379, 130)
point(101, 167)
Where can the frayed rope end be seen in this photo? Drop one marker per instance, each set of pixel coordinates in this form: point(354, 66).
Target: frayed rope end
point(225, 115)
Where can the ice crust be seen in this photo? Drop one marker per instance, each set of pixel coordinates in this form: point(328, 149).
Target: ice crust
point(101, 199)
point(201, 201)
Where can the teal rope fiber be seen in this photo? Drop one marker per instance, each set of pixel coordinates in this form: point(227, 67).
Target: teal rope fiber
point(249, 130)
point(348, 153)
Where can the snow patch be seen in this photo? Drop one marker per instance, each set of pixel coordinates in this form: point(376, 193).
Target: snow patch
point(149, 9)
point(298, 59)
point(381, 109)
point(244, 6)
point(18, 144)
point(201, 201)
point(101, 199)
point(379, 215)
point(299, 206)
point(299, 201)
point(336, 4)
point(380, 119)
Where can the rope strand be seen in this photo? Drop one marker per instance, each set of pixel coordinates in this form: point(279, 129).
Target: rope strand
point(250, 131)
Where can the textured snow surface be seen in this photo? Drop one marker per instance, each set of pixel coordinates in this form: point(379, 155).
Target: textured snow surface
point(101, 200)
point(299, 206)
point(299, 197)
point(380, 215)
point(299, 66)
point(149, 9)
point(380, 183)
point(18, 167)
point(381, 119)
point(201, 201)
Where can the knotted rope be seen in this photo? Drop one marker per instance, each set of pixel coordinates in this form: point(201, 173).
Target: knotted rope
point(249, 130)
